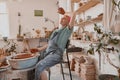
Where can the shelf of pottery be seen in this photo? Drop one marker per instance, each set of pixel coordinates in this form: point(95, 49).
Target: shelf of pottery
point(83, 66)
point(84, 19)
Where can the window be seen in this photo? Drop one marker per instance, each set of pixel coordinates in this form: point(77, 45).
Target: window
point(4, 21)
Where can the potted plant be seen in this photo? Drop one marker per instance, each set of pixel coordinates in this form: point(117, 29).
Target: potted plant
point(106, 42)
point(10, 47)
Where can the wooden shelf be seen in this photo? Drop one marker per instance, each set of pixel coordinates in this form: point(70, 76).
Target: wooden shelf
point(84, 23)
point(75, 1)
point(81, 41)
point(87, 6)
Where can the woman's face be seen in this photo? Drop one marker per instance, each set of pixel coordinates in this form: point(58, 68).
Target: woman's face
point(64, 21)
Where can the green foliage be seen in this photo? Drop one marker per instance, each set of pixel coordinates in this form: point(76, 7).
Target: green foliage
point(10, 46)
point(104, 40)
point(114, 41)
point(116, 4)
point(91, 50)
point(96, 28)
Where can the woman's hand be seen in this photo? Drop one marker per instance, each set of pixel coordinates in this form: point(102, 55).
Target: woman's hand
point(61, 11)
point(34, 50)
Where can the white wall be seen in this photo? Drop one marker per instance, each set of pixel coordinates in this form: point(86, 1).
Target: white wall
point(27, 19)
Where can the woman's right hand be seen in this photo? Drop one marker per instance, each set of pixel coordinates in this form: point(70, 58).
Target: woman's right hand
point(34, 50)
point(61, 11)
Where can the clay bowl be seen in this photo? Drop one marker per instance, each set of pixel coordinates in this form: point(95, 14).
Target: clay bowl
point(2, 58)
point(4, 65)
point(23, 60)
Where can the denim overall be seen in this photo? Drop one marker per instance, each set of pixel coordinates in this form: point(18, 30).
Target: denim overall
point(53, 55)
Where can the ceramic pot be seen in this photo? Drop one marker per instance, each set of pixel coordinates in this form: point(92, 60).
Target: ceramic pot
point(23, 60)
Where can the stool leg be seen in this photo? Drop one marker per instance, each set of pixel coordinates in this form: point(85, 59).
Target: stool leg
point(69, 66)
point(49, 74)
point(62, 71)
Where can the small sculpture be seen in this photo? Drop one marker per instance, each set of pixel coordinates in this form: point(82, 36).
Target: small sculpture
point(38, 33)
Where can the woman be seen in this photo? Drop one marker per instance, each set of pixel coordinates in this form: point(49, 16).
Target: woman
point(56, 46)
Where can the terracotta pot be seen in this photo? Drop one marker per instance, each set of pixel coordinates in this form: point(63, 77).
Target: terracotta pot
point(23, 56)
point(2, 58)
point(4, 66)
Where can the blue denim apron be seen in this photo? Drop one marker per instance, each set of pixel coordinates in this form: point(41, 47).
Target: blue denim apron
point(53, 55)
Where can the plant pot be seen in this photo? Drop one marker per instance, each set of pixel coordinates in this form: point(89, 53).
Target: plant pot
point(23, 60)
point(2, 58)
point(4, 66)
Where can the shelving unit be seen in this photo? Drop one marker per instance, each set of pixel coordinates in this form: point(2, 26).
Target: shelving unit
point(81, 41)
point(87, 6)
point(75, 1)
point(94, 20)
point(84, 23)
